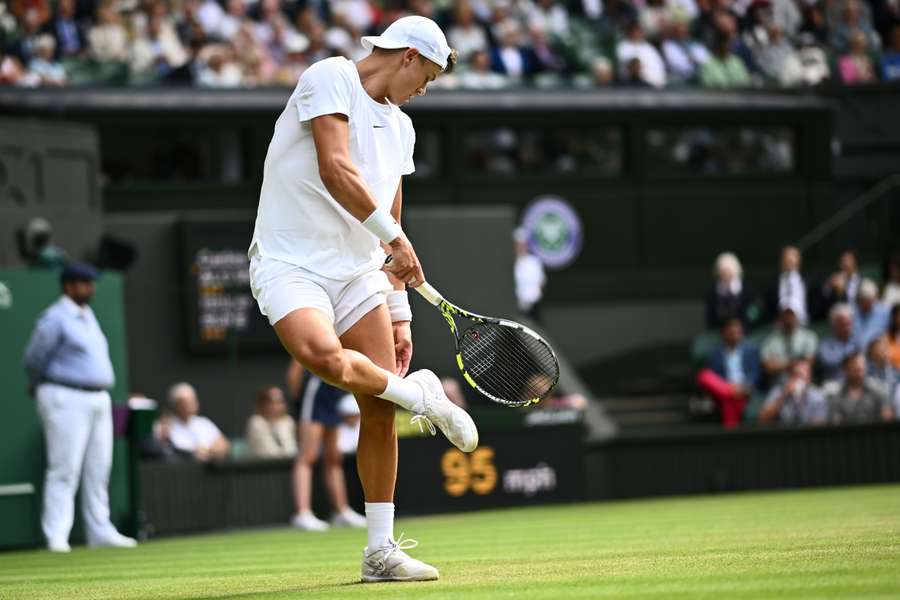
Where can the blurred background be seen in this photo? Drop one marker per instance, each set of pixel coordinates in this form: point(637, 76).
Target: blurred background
point(695, 201)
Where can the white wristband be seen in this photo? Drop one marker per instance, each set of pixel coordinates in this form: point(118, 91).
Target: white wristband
point(398, 306)
point(383, 225)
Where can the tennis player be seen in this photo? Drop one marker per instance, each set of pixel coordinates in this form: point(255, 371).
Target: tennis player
point(329, 212)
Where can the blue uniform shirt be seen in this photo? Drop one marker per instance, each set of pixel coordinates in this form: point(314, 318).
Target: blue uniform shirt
point(68, 347)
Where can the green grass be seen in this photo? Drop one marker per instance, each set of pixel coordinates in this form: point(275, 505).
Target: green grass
point(803, 544)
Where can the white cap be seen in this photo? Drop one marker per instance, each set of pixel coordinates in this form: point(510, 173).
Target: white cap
point(420, 33)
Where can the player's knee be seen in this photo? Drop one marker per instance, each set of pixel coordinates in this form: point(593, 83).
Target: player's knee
point(328, 364)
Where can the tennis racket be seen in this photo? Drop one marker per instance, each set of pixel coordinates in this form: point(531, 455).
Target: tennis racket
point(503, 360)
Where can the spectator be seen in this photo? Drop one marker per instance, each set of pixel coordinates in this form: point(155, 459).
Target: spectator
point(549, 17)
point(842, 286)
point(509, 57)
point(890, 292)
point(882, 370)
point(271, 432)
point(728, 297)
point(789, 288)
point(808, 66)
point(546, 59)
point(295, 46)
point(43, 68)
point(886, 16)
point(854, 20)
point(479, 75)
point(108, 37)
point(786, 16)
point(218, 67)
point(187, 432)
point(856, 66)
point(788, 343)
point(797, 401)
point(634, 74)
point(893, 337)
point(42, 252)
point(654, 18)
point(684, 56)
point(529, 277)
point(157, 53)
point(774, 54)
point(11, 71)
point(890, 59)
point(319, 417)
point(315, 33)
point(466, 35)
point(840, 344)
point(602, 71)
point(234, 17)
point(652, 69)
point(733, 374)
point(871, 318)
point(24, 47)
point(814, 24)
point(71, 41)
point(859, 399)
point(724, 68)
point(70, 372)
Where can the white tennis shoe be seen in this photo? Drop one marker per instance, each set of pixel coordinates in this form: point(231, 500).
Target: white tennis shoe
point(391, 563)
point(436, 409)
point(307, 521)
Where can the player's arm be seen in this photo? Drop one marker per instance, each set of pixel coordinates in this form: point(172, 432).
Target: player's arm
point(331, 134)
point(396, 209)
point(398, 303)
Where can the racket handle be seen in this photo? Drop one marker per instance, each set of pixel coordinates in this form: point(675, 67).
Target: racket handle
point(424, 289)
point(429, 293)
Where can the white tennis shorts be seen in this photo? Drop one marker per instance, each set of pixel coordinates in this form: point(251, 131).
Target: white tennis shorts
point(280, 288)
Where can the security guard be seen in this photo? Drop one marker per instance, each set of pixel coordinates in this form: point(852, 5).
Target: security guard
point(70, 373)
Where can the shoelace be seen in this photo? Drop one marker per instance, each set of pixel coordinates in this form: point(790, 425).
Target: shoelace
point(399, 544)
point(419, 419)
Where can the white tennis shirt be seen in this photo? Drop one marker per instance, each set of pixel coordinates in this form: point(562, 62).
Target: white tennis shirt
point(298, 221)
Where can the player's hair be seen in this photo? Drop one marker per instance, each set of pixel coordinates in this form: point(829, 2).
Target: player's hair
point(451, 62)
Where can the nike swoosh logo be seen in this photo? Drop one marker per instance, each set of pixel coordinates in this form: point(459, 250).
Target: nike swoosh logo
point(379, 126)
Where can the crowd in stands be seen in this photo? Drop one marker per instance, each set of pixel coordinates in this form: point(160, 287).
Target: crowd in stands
point(849, 372)
point(652, 43)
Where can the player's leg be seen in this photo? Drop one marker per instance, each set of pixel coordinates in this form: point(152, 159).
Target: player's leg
point(307, 456)
point(377, 450)
point(308, 334)
point(383, 559)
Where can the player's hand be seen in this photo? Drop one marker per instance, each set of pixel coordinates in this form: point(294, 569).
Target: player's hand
point(404, 264)
point(402, 347)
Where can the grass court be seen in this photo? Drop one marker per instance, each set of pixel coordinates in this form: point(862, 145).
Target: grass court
point(832, 543)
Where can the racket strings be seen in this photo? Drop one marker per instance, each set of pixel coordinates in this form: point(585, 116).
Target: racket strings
point(508, 363)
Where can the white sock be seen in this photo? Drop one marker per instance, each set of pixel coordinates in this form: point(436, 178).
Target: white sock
point(380, 522)
point(403, 393)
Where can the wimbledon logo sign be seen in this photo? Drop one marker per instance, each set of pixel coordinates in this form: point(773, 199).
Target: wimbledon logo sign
point(554, 231)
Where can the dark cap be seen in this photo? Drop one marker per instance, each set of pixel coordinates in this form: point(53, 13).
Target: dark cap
point(78, 271)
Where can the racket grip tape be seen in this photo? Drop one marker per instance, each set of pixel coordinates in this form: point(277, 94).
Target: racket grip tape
point(425, 289)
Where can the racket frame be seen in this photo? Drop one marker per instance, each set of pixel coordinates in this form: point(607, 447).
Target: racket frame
point(449, 310)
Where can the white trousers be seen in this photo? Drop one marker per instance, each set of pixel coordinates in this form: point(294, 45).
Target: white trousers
point(78, 431)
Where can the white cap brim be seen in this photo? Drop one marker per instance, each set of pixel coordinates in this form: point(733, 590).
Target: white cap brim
point(373, 41)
